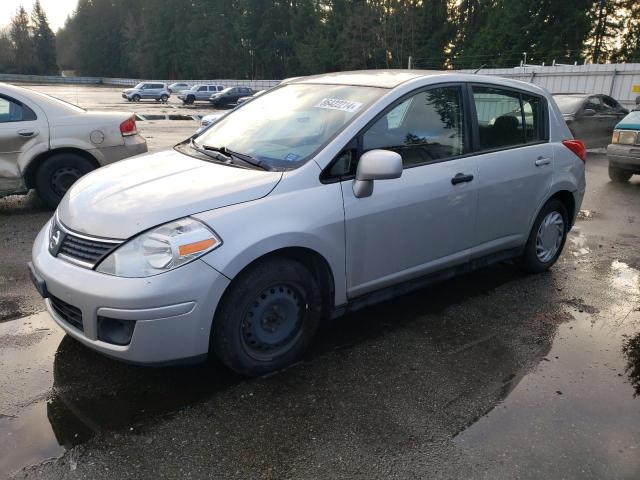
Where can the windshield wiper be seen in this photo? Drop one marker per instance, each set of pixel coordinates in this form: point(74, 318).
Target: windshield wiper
point(215, 155)
point(248, 159)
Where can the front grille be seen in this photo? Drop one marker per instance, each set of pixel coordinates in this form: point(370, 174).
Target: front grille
point(83, 249)
point(70, 314)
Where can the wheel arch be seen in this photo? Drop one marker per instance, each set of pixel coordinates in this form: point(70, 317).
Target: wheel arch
point(316, 263)
point(32, 168)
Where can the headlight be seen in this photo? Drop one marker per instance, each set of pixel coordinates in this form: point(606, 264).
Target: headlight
point(162, 249)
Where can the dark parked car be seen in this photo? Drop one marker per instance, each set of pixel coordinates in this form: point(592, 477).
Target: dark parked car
point(229, 96)
point(590, 118)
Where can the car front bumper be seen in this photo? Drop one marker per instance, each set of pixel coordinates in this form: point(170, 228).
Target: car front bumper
point(626, 157)
point(173, 311)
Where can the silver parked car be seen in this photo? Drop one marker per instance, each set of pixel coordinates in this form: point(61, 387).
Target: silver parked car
point(47, 144)
point(199, 93)
point(178, 87)
point(147, 91)
point(321, 196)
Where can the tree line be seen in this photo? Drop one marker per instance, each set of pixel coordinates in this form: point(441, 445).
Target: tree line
point(28, 45)
point(276, 39)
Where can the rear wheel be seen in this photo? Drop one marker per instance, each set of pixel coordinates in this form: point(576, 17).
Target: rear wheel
point(268, 317)
point(619, 175)
point(57, 173)
point(164, 98)
point(547, 238)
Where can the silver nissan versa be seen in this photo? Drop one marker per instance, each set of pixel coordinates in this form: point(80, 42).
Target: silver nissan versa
point(323, 195)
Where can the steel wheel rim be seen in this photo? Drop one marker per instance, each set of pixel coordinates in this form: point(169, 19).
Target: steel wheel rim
point(272, 323)
point(63, 178)
point(550, 236)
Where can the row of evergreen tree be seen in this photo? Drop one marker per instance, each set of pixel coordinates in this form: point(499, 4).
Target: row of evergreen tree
point(28, 45)
point(283, 38)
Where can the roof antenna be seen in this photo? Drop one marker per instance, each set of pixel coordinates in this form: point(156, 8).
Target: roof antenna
point(479, 68)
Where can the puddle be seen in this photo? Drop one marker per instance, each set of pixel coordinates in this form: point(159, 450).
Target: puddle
point(55, 393)
point(579, 407)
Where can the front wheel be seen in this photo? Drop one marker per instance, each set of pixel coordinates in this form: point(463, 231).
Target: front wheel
point(546, 239)
point(619, 175)
point(190, 100)
point(267, 318)
point(56, 175)
point(136, 98)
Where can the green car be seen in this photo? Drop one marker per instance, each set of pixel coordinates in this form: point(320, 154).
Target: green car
point(624, 150)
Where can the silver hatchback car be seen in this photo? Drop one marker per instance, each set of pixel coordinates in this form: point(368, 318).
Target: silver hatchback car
point(326, 194)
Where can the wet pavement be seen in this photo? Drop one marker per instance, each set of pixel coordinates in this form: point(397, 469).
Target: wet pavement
point(496, 374)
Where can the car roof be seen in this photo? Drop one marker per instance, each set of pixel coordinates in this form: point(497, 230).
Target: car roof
point(577, 95)
point(394, 78)
point(48, 103)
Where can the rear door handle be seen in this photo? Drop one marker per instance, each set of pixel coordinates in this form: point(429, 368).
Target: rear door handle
point(542, 161)
point(27, 133)
point(461, 178)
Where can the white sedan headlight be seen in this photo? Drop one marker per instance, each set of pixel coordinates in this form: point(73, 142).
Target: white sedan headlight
point(161, 249)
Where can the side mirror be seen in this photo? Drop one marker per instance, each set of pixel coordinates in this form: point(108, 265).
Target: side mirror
point(375, 165)
point(589, 112)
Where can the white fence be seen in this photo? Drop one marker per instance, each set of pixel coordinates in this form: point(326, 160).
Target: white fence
point(616, 80)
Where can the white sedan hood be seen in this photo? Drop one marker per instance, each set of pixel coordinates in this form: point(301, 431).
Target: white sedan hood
point(127, 197)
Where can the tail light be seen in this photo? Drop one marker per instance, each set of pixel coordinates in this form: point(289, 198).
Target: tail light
point(129, 127)
point(577, 147)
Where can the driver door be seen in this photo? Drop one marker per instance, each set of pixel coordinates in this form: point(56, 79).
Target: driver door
point(424, 220)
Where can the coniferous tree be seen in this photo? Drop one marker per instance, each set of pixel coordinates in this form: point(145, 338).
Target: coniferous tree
point(44, 41)
point(23, 44)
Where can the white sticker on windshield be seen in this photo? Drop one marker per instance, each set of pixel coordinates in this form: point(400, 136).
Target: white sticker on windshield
point(337, 104)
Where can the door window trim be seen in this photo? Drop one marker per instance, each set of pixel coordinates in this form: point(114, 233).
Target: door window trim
point(326, 177)
point(34, 115)
point(544, 103)
point(470, 127)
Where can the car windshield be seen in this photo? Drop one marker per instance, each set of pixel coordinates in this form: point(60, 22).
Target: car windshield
point(139, 86)
point(286, 126)
point(567, 103)
point(228, 89)
point(195, 87)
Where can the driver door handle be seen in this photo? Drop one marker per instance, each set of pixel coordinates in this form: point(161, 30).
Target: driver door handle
point(542, 161)
point(27, 133)
point(461, 178)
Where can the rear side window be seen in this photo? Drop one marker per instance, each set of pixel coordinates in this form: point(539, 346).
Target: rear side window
point(508, 118)
point(15, 111)
point(425, 127)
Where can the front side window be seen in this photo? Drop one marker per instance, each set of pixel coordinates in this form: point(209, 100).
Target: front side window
point(14, 111)
point(286, 126)
point(593, 103)
point(202, 89)
point(425, 127)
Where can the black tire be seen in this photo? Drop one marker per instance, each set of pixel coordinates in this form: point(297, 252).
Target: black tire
point(164, 98)
point(267, 318)
point(57, 173)
point(190, 99)
point(529, 261)
point(619, 175)
point(136, 98)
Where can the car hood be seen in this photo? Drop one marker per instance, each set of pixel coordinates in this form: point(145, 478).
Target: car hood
point(129, 90)
point(127, 197)
point(631, 121)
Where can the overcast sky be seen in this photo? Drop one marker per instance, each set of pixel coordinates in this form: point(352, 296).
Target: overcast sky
point(57, 10)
